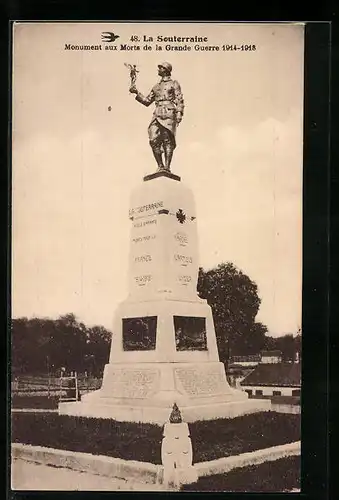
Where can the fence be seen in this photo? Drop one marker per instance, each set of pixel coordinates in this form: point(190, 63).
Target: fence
point(44, 385)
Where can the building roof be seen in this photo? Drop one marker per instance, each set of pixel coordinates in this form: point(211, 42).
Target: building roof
point(279, 374)
point(271, 353)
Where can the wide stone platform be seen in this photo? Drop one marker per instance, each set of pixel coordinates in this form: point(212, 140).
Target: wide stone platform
point(145, 392)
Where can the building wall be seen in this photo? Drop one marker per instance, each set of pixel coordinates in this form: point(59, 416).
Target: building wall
point(284, 408)
point(270, 359)
point(245, 363)
point(268, 391)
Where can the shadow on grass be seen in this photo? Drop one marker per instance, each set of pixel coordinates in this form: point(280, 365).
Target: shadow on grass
point(279, 476)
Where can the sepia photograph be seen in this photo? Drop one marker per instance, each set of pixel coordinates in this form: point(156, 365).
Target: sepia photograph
point(156, 277)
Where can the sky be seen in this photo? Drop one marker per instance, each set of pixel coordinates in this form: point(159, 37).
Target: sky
point(75, 163)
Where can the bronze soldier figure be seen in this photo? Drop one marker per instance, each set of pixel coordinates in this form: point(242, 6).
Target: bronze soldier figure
point(168, 113)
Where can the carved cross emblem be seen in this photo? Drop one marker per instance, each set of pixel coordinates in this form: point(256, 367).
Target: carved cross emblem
point(181, 216)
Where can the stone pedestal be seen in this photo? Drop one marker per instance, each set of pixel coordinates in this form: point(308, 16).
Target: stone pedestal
point(164, 347)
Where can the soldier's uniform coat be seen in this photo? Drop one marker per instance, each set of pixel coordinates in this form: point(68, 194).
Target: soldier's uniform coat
point(169, 101)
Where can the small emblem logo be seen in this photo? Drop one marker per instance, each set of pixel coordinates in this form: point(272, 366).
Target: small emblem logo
point(107, 36)
point(181, 216)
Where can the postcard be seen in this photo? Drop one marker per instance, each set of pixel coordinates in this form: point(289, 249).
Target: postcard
point(157, 256)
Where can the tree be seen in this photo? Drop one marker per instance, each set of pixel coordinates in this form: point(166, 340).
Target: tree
point(255, 342)
point(97, 349)
point(40, 345)
point(19, 336)
point(234, 300)
point(288, 344)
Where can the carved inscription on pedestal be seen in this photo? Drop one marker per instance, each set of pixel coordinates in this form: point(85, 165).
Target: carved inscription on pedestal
point(142, 239)
point(145, 209)
point(133, 383)
point(143, 258)
point(144, 223)
point(142, 280)
point(201, 382)
point(181, 238)
point(184, 279)
point(183, 260)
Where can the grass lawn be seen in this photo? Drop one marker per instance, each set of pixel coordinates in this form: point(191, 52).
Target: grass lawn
point(38, 402)
point(279, 476)
point(133, 441)
point(129, 441)
point(223, 438)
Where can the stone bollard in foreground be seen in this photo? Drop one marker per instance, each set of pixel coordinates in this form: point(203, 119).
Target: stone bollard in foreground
point(177, 453)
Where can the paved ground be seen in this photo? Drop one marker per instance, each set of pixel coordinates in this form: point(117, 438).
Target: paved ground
point(31, 476)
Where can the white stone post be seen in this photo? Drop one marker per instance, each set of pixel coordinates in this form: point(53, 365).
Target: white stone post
point(177, 453)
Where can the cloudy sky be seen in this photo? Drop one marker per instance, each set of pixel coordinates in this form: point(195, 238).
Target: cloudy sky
point(75, 163)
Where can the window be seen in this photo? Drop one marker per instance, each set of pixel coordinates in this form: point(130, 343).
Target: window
point(276, 393)
point(258, 393)
point(296, 392)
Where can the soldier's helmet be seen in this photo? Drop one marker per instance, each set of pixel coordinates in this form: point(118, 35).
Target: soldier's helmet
point(166, 65)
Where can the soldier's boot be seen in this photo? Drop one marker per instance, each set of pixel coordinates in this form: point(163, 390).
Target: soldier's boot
point(158, 157)
point(168, 156)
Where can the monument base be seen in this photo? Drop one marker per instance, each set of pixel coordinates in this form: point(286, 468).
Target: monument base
point(160, 415)
point(146, 392)
point(164, 347)
point(162, 173)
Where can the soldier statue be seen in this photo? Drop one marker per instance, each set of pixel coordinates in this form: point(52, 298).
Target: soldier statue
point(168, 113)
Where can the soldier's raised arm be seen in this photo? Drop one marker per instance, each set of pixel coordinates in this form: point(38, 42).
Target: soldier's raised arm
point(146, 101)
